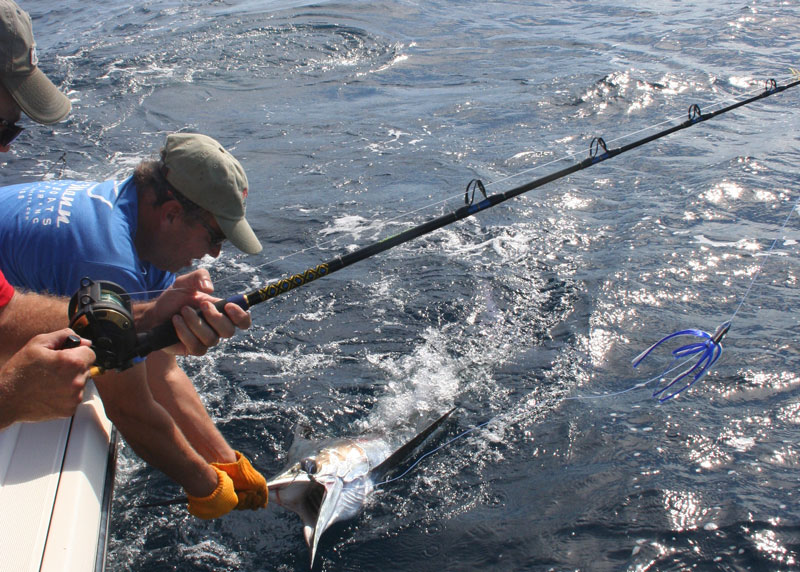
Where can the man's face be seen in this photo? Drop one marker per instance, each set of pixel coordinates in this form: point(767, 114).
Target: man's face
point(194, 237)
point(10, 112)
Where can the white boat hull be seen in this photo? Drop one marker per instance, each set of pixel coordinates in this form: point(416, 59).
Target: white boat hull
point(56, 480)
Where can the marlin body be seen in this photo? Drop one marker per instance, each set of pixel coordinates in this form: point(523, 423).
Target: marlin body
point(330, 481)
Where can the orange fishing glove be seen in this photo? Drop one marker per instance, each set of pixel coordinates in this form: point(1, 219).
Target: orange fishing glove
point(250, 485)
point(220, 502)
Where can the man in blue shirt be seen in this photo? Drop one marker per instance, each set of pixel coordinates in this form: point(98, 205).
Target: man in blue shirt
point(138, 232)
point(39, 381)
point(75, 229)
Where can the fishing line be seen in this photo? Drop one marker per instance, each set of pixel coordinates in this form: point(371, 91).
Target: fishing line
point(418, 460)
point(436, 449)
point(474, 428)
point(764, 261)
point(709, 348)
point(183, 500)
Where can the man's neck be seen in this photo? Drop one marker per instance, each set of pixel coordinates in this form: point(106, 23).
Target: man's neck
point(146, 224)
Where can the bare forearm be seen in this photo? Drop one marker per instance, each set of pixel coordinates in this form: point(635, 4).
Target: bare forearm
point(145, 315)
point(152, 432)
point(175, 392)
point(160, 443)
point(27, 315)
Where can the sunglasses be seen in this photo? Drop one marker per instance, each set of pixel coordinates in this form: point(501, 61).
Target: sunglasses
point(9, 132)
point(215, 237)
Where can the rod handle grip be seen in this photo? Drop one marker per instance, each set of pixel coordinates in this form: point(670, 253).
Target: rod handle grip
point(164, 335)
point(238, 299)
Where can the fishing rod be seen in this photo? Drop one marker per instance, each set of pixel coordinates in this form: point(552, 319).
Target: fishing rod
point(165, 335)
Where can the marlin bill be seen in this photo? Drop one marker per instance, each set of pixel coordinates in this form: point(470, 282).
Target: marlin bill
point(329, 481)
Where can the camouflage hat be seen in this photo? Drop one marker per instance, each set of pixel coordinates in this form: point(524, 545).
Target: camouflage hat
point(205, 173)
point(19, 72)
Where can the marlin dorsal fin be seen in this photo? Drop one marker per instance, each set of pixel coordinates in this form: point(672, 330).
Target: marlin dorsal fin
point(403, 452)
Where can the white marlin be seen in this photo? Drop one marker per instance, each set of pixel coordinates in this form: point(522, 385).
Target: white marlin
point(331, 480)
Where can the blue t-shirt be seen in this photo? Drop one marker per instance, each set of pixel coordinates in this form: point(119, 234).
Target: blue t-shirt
point(53, 233)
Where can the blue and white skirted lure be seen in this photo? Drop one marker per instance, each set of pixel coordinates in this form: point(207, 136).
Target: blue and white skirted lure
point(709, 350)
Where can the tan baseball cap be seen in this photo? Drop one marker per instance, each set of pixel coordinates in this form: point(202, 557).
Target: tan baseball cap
point(205, 173)
point(30, 88)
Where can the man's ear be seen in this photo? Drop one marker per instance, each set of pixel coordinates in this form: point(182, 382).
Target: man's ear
point(170, 211)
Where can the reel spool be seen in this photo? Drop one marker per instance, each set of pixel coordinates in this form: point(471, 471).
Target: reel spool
point(101, 312)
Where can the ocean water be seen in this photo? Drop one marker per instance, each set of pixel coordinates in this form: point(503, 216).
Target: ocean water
point(356, 120)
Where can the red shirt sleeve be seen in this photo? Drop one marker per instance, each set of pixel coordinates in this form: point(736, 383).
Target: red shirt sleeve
point(6, 291)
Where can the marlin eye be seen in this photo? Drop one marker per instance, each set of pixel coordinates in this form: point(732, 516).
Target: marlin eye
point(309, 466)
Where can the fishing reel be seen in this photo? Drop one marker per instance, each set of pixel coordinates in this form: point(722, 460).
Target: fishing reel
point(101, 312)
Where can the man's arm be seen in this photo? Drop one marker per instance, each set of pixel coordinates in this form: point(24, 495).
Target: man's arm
point(29, 314)
point(173, 390)
point(151, 431)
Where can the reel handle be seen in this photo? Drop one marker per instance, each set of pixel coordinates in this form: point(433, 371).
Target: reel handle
point(74, 341)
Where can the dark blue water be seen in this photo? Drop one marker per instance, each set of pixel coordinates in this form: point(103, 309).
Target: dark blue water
point(355, 120)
